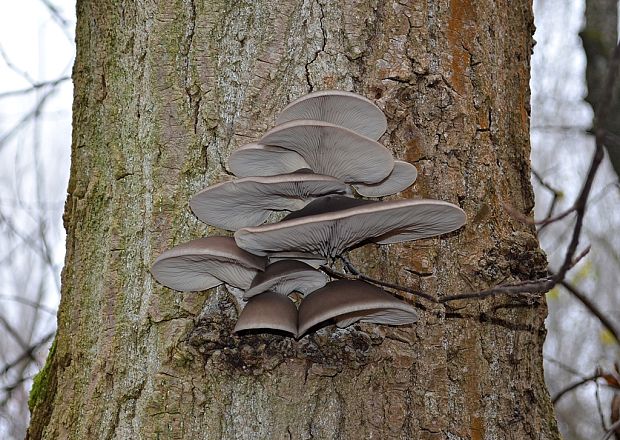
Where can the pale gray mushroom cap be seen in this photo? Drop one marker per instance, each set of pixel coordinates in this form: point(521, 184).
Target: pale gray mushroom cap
point(348, 301)
point(284, 277)
point(250, 201)
point(264, 160)
point(332, 150)
point(268, 310)
point(313, 260)
point(205, 263)
point(331, 233)
point(402, 177)
point(346, 109)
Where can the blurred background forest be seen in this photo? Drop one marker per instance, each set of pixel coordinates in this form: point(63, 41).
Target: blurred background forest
point(582, 348)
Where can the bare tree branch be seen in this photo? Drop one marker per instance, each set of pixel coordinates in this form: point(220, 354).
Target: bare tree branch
point(35, 86)
point(575, 385)
point(27, 353)
point(593, 308)
point(611, 431)
point(29, 303)
point(27, 117)
point(14, 68)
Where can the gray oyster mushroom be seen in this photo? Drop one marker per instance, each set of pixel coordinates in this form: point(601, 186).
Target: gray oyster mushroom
point(205, 263)
point(332, 225)
point(349, 301)
point(269, 310)
point(346, 109)
point(287, 276)
point(264, 160)
point(332, 150)
point(402, 177)
point(251, 200)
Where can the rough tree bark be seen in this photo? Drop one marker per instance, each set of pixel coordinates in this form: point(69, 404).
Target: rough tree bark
point(163, 92)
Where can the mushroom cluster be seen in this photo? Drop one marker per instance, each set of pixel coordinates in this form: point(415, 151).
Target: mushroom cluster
point(322, 149)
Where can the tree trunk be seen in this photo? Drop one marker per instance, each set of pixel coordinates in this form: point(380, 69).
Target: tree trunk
point(164, 92)
point(599, 38)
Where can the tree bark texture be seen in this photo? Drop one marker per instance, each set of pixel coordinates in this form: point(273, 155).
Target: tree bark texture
point(164, 91)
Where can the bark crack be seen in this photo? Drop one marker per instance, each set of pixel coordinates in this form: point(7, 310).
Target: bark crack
point(322, 48)
point(192, 92)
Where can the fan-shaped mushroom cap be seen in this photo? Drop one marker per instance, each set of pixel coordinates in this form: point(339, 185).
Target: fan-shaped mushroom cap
point(349, 301)
point(286, 276)
point(264, 160)
point(333, 150)
point(268, 310)
point(331, 233)
point(312, 260)
point(249, 201)
point(402, 177)
point(346, 109)
point(205, 263)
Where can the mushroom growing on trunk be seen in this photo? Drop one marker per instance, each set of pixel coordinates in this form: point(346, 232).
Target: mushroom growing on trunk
point(286, 276)
point(349, 301)
point(402, 177)
point(205, 263)
point(346, 109)
point(333, 150)
point(264, 160)
point(249, 201)
point(331, 232)
point(269, 310)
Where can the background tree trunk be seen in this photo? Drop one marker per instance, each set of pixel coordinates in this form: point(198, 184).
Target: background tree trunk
point(163, 92)
point(599, 38)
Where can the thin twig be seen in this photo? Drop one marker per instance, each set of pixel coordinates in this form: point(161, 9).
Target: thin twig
point(538, 286)
point(37, 108)
point(8, 389)
point(593, 308)
point(557, 194)
point(563, 366)
point(28, 302)
point(56, 13)
point(14, 68)
point(599, 407)
point(358, 276)
point(611, 431)
point(575, 385)
point(34, 87)
point(16, 336)
point(27, 353)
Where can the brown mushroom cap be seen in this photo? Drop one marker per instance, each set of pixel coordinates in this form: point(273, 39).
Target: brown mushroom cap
point(205, 263)
point(349, 301)
point(287, 276)
point(346, 109)
point(264, 160)
point(332, 150)
point(331, 233)
point(402, 177)
point(268, 310)
point(249, 201)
